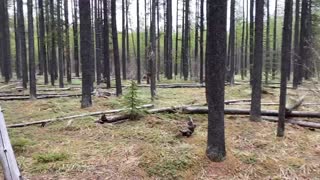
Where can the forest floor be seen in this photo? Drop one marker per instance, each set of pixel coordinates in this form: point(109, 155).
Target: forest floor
point(150, 148)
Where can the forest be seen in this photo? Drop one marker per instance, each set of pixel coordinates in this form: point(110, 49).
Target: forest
point(159, 89)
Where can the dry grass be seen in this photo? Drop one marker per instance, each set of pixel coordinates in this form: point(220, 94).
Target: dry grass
point(151, 149)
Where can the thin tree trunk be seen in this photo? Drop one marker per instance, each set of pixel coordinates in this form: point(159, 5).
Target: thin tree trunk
point(76, 40)
point(285, 63)
point(296, 47)
point(274, 59)
point(152, 63)
point(33, 90)
point(42, 45)
point(177, 42)
point(251, 58)
point(86, 58)
point(201, 40)
point(106, 61)
point(16, 35)
point(257, 66)
point(116, 48)
point(232, 43)
point(138, 45)
point(60, 44)
point(67, 50)
point(22, 43)
point(267, 60)
point(169, 39)
point(123, 38)
point(242, 59)
point(186, 42)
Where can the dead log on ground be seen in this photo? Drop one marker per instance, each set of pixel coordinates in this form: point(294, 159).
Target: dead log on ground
point(204, 110)
point(15, 98)
point(44, 122)
point(301, 123)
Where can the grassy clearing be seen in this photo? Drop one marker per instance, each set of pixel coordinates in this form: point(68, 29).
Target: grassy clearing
point(151, 147)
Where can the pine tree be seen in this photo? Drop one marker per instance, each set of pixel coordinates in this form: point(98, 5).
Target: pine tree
point(86, 58)
point(215, 73)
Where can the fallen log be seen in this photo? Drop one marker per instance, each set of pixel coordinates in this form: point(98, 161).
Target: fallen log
point(55, 89)
point(15, 98)
point(44, 122)
point(236, 101)
point(301, 123)
point(204, 110)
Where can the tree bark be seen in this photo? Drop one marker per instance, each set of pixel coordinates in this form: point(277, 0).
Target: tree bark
point(257, 66)
point(285, 63)
point(106, 62)
point(296, 53)
point(86, 58)
point(22, 43)
point(60, 44)
point(116, 48)
point(215, 72)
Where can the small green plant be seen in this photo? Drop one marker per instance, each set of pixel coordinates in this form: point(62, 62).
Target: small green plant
point(20, 144)
point(50, 157)
point(132, 101)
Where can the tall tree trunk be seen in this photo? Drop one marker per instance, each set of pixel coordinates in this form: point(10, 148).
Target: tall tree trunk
point(53, 45)
point(251, 58)
point(22, 43)
point(196, 41)
point(201, 40)
point(123, 38)
point(67, 50)
point(246, 42)
point(152, 56)
point(169, 39)
point(158, 41)
point(296, 46)
point(242, 58)
point(186, 42)
point(60, 44)
point(40, 61)
point(86, 58)
point(267, 60)
point(127, 32)
point(255, 114)
point(274, 59)
point(42, 45)
point(215, 75)
point(17, 41)
point(98, 41)
point(304, 42)
point(116, 48)
point(177, 42)
point(32, 69)
point(146, 42)
point(138, 45)
point(5, 41)
point(106, 61)
point(76, 40)
point(182, 39)
point(232, 43)
point(285, 63)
